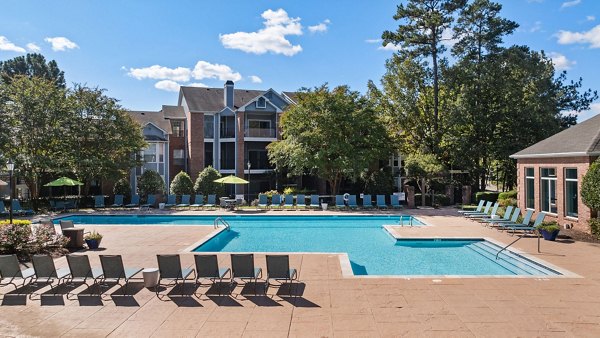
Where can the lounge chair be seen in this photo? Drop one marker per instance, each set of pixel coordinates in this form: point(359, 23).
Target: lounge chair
point(114, 271)
point(493, 213)
point(278, 268)
point(505, 217)
point(524, 223)
point(135, 201)
point(478, 209)
point(276, 201)
point(46, 272)
point(10, 272)
point(381, 202)
point(262, 202)
point(485, 211)
point(99, 202)
point(81, 271)
point(339, 202)
point(242, 267)
point(3, 210)
point(150, 202)
point(198, 201)
point(288, 201)
point(171, 201)
point(207, 267)
point(16, 207)
point(169, 267)
point(185, 201)
point(538, 221)
point(212, 200)
point(513, 219)
point(301, 201)
point(394, 202)
point(118, 202)
point(367, 202)
point(314, 201)
point(352, 202)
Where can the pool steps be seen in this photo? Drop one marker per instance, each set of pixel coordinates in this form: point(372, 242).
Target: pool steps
point(513, 262)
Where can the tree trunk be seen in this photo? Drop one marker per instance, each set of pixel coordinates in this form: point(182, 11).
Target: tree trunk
point(423, 192)
point(435, 93)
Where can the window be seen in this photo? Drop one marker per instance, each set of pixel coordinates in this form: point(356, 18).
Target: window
point(548, 187)
point(150, 153)
point(177, 127)
point(571, 192)
point(209, 126)
point(259, 159)
point(260, 128)
point(178, 158)
point(529, 188)
point(227, 127)
point(261, 103)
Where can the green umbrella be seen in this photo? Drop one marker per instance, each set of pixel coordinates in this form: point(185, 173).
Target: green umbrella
point(231, 180)
point(63, 181)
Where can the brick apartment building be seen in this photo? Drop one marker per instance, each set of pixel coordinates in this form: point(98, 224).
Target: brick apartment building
point(550, 172)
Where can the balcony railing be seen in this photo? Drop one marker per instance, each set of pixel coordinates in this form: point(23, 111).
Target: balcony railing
point(260, 132)
point(227, 133)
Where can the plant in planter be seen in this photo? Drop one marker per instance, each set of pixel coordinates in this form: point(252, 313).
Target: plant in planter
point(549, 230)
point(93, 240)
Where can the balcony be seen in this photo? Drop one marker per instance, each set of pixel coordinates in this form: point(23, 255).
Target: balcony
point(227, 133)
point(260, 132)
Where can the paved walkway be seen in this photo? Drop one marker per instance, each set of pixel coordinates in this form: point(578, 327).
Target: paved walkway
point(327, 304)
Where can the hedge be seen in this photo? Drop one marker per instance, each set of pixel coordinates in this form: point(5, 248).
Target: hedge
point(440, 199)
point(507, 194)
point(488, 196)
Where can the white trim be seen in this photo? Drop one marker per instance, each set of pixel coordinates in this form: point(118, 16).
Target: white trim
point(264, 106)
point(289, 99)
point(569, 154)
point(157, 127)
point(277, 109)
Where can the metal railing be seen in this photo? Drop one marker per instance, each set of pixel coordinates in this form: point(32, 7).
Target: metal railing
point(260, 132)
point(220, 221)
point(515, 241)
point(410, 222)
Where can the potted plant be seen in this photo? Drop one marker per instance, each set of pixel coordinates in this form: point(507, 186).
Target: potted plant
point(93, 240)
point(549, 230)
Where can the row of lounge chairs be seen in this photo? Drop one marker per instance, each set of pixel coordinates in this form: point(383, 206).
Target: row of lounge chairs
point(112, 270)
point(185, 202)
point(16, 207)
point(487, 214)
point(340, 201)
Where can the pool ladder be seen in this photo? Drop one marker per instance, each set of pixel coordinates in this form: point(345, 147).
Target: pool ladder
point(221, 221)
point(402, 221)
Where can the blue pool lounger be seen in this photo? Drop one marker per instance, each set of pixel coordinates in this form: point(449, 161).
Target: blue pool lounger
point(352, 202)
point(117, 202)
point(301, 201)
point(198, 201)
point(314, 201)
point(381, 202)
point(339, 202)
point(367, 202)
point(262, 202)
point(478, 209)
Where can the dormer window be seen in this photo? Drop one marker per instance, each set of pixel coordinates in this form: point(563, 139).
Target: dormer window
point(261, 103)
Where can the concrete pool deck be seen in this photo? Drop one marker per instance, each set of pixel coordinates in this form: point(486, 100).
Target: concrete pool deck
point(327, 304)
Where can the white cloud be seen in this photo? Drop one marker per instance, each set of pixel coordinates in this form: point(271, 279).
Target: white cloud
point(61, 44)
point(32, 47)
point(591, 37)
point(255, 79)
point(448, 39)
point(272, 38)
point(8, 46)
point(586, 114)
point(197, 84)
point(590, 18)
point(207, 70)
point(168, 85)
point(373, 40)
point(537, 26)
point(390, 46)
point(160, 73)
point(321, 27)
point(567, 4)
point(561, 62)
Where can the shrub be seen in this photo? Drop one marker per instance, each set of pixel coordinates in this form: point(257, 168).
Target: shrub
point(289, 190)
point(590, 186)
point(182, 184)
point(94, 235)
point(205, 183)
point(440, 199)
point(379, 182)
point(14, 238)
point(150, 183)
point(508, 201)
point(549, 226)
point(507, 194)
point(270, 193)
point(16, 221)
point(122, 187)
point(595, 226)
point(489, 196)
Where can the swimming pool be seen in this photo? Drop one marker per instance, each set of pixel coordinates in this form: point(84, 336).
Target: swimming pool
point(246, 220)
point(373, 251)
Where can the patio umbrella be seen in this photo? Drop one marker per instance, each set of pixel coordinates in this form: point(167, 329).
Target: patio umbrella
point(63, 182)
point(231, 180)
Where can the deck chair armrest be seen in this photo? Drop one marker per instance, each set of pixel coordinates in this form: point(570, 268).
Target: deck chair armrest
point(224, 271)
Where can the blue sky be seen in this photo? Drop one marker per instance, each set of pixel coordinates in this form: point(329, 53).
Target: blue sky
point(141, 51)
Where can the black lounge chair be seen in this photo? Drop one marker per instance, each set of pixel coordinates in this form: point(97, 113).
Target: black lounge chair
point(81, 271)
point(46, 272)
point(242, 267)
point(10, 272)
point(207, 267)
point(278, 268)
point(169, 267)
point(114, 271)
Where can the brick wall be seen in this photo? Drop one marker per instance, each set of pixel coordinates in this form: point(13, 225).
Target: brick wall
point(196, 144)
point(175, 143)
point(580, 163)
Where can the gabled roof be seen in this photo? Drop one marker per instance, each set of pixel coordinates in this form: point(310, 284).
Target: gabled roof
point(582, 139)
point(201, 99)
point(293, 96)
point(156, 118)
point(173, 112)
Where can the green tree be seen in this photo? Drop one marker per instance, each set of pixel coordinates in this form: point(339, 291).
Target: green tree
point(590, 187)
point(206, 185)
point(182, 184)
point(419, 35)
point(333, 134)
point(122, 187)
point(32, 65)
point(150, 183)
point(422, 168)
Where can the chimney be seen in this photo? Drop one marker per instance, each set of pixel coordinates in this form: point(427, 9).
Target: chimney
point(228, 94)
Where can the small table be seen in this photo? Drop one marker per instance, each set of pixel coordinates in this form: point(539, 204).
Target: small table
point(230, 203)
point(75, 236)
point(151, 276)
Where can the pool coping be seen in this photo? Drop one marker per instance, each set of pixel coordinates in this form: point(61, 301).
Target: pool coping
point(346, 266)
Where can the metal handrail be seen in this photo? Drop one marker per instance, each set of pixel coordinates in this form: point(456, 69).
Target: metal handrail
point(221, 221)
point(516, 240)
